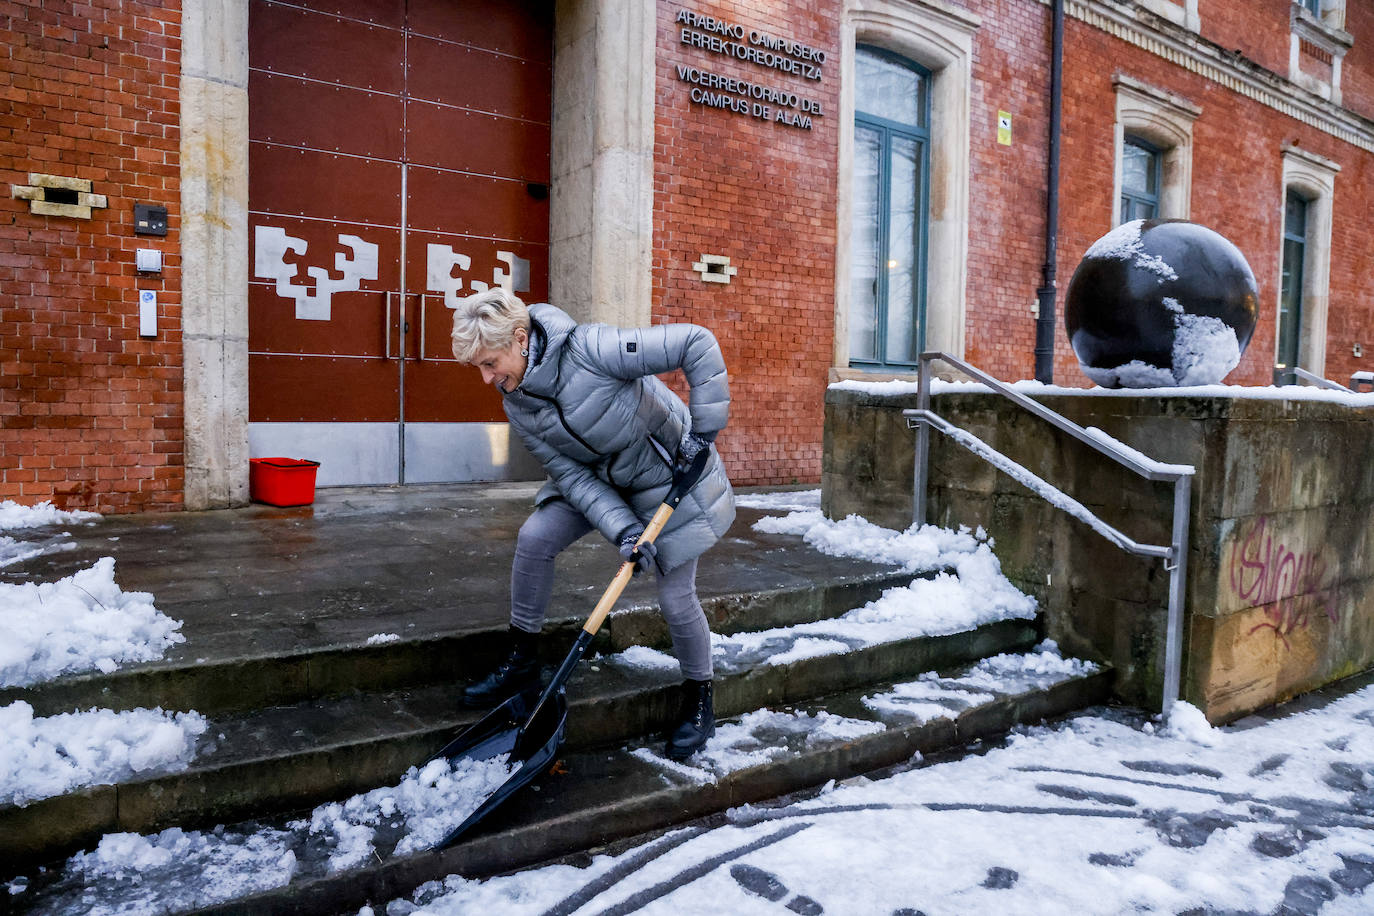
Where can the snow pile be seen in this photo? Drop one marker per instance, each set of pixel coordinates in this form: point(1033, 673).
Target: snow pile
point(44, 757)
point(975, 595)
point(13, 515)
point(81, 623)
point(644, 659)
point(382, 639)
point(416, 814)
point(1187, 723)
point(914, 550)
point(177, 870)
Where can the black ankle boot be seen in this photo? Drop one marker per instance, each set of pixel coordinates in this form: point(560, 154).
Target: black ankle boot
point(697, 721)
point(519, 671)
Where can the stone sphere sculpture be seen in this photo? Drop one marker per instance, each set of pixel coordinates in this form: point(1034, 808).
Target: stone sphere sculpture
point(1160, 303)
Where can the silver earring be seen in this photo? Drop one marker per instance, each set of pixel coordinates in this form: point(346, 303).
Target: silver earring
point(524, 352)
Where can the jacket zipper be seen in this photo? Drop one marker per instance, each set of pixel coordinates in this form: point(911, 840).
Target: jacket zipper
point(572, 432)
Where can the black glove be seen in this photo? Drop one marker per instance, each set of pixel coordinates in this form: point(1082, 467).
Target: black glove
point(645, 556)
point(690, 447)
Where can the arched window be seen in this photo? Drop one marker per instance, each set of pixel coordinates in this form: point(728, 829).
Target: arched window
point(888, 235)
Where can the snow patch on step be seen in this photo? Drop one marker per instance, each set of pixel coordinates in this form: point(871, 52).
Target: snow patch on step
point(757, 738)
point(765, 735)
point(43, 757)
point(932, 696)
point(178, 870)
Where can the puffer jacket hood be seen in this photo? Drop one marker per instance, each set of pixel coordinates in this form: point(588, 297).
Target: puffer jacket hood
point(588, 406)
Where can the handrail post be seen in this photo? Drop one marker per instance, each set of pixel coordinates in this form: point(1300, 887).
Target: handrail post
point(922, 469)
point(1178, 576)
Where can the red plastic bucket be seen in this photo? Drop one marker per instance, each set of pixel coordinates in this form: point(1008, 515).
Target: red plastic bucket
point(282, 481)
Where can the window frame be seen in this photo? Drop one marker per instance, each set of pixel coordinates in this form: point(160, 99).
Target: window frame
point(1162, 120)
point(1139, 198)
point(1288, 352)
point(940, 37)
point(920, 134)
point(1313, 178)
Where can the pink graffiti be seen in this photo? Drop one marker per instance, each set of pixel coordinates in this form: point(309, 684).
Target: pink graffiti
point(1287, 586)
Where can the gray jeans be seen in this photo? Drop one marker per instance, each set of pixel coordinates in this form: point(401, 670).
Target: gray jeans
point(550, 530)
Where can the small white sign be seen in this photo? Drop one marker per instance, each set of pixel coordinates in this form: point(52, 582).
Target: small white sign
point(147, 313)
point(148, 260)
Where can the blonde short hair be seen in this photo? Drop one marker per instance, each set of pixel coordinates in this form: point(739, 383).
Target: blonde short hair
point(487, 321)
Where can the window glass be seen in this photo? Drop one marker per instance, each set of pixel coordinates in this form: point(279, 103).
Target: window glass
point(901, 251)
point(1290, 293)
point(886, 88)
point(1139, 180)
point(863, 284)
point(887, 232)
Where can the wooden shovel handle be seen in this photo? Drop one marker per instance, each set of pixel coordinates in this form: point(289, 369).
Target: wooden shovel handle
point(627, 569)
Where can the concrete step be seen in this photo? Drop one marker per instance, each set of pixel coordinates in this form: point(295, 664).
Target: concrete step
point(289, 758)
point(236, 683)
point(606, 792)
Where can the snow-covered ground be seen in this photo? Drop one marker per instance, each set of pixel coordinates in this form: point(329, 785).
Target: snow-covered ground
point(1098, 815)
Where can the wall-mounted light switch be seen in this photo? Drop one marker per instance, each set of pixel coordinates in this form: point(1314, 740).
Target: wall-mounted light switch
point(148, 260)
point(147, 313)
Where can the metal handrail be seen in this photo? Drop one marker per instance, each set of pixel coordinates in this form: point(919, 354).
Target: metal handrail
point(1298, 372)
point(1175, 555)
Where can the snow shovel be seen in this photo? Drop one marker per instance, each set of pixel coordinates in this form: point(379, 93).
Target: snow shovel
point(529, 729)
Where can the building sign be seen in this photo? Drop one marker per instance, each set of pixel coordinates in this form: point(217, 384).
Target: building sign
point(769, 52)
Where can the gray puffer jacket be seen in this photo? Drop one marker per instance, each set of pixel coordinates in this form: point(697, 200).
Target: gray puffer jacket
point(587, 406)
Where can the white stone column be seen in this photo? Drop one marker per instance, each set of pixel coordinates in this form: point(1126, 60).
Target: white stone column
point(214, 250)
point(602, 199)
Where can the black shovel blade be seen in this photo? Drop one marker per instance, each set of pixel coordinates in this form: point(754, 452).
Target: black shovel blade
point(532, 749)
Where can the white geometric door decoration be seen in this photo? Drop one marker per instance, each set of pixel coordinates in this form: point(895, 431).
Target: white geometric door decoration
point(439, 273)
point(269, 263)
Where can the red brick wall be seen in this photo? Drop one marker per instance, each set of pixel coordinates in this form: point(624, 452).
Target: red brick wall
point(1259, 29)
point(90, 413)
point(1011, 59)
point(1357, 68)
point(763, 194)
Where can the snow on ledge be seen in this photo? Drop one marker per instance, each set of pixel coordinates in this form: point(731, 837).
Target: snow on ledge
point(1033, 388)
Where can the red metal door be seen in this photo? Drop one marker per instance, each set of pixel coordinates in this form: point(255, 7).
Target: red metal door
point(399, 159)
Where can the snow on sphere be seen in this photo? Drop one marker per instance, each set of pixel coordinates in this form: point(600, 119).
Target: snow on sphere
point(1160, 303)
